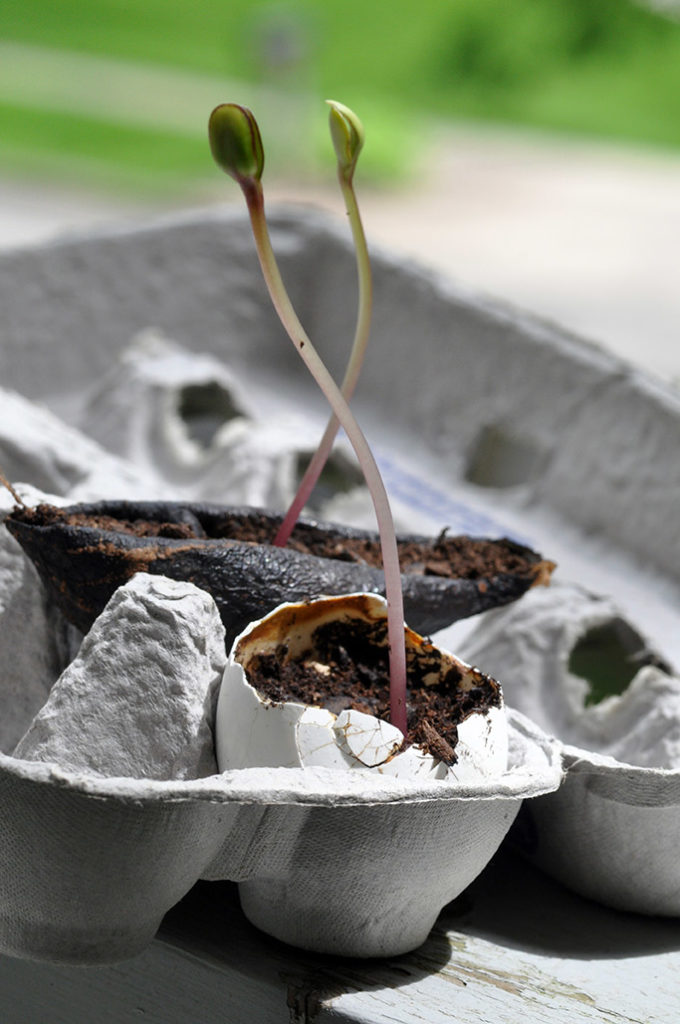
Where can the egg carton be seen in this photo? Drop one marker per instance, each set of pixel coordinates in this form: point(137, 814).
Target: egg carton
point(506, 416)
point(610, 830)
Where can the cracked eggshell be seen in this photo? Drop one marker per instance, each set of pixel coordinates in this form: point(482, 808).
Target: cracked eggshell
point(366, 739)
point(610, 831)
point(252, 730)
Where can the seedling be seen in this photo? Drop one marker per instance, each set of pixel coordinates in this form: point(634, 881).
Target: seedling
point(5, 483)
point(236, 145)
point(347, 134)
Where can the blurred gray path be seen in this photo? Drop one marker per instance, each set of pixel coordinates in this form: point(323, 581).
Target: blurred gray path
point(585, 234)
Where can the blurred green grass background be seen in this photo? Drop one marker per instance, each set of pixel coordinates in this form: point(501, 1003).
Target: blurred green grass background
point(117, 92)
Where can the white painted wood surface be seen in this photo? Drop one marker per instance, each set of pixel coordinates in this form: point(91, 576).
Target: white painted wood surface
point(515, 949)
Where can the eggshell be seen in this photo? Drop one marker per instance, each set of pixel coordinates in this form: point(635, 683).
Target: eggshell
point(252, 730)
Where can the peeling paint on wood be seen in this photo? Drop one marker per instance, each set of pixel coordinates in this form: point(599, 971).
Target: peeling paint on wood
point(515, 949)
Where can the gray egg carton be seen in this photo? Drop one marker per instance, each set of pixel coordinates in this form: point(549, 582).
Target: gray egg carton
point(483, 417)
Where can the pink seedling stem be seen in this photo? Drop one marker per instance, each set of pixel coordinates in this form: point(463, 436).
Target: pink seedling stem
point(237, 147)
point(341, 117)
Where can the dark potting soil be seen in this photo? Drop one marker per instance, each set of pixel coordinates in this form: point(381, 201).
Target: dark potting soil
point(458, 557)
point(347, 667)
point(46, 515)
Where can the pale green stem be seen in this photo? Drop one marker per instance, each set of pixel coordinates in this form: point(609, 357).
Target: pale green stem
point(356, 359)
point(252, 190)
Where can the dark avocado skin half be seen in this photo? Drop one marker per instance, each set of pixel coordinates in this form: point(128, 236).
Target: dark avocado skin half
point(82, 565)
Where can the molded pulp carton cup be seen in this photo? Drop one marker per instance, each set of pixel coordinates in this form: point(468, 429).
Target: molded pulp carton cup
point(611, 830)
point(88, 867)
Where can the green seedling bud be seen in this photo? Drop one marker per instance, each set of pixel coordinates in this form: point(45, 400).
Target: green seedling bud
point(347, 133)
point(236, 142)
